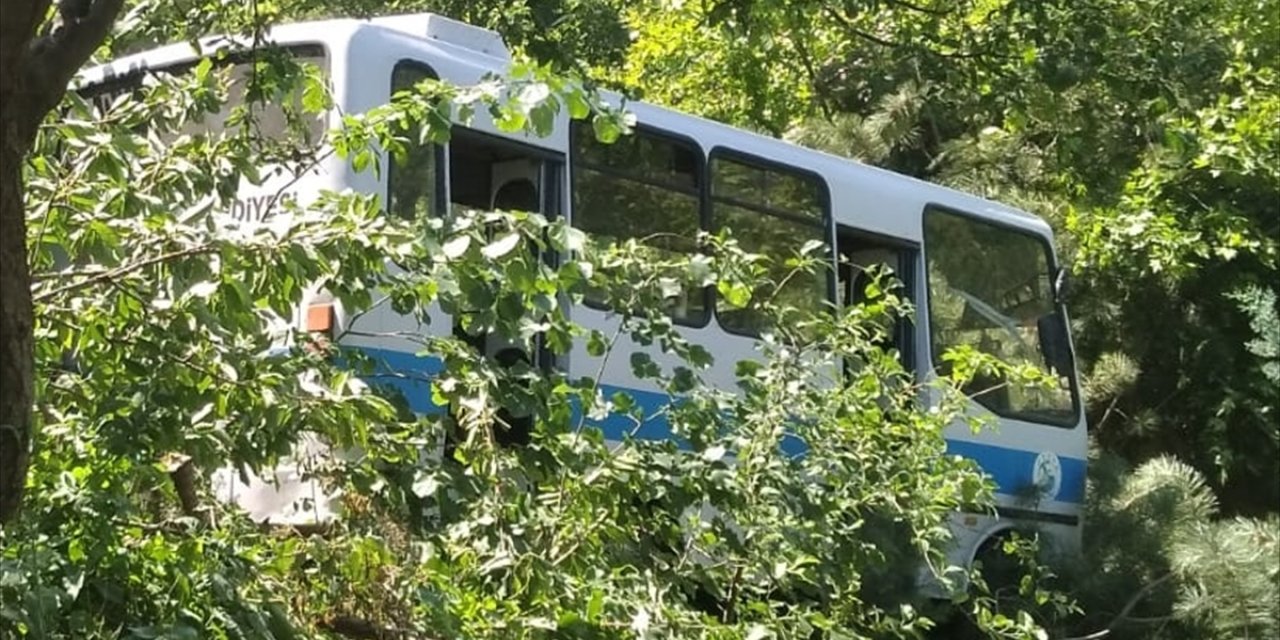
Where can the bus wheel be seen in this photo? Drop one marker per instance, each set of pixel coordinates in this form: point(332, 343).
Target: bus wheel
point(1000, 572)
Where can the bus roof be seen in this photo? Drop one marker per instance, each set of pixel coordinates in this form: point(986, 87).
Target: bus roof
point(848, 179)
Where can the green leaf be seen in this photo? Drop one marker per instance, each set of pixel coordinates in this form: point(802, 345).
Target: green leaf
point(737, 294)
point(577, 105)
point(606, 130)
point(533, 95)
point(543, 119)
point(315, 97)
point(425, 484)
point(643, 366)
point(567, 238)
point(597, 345)
point(510, 120)
point(501, 247)
point(595, 606)
point(278, 622)
point(456, 247)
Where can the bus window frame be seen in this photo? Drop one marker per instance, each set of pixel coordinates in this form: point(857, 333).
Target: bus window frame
point(701, 193)
point(1051, 265)
point(825, 220)
point(555, 161)
point(440, 197)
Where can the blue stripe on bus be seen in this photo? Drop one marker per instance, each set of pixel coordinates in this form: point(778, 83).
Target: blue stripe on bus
point(1010, 469)
point(617, 426)
point(407, 373)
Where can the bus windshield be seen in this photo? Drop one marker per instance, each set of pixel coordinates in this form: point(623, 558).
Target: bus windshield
point(990, 288)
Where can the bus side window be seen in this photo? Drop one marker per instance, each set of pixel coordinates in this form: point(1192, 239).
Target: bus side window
point(412, 177)
point(773, 212)
point(645, 186)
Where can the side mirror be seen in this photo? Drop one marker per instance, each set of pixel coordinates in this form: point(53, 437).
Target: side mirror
point(1061, 285)
point(1054, 343)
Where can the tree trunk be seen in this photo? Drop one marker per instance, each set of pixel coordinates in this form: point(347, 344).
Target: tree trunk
point(38, 58)
point(16, 364)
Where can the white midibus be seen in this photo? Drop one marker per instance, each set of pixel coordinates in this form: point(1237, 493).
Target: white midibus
point(979, 273)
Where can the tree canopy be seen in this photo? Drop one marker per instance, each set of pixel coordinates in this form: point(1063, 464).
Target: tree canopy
point(143, 346)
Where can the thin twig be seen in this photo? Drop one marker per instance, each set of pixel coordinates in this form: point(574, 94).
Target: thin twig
point(916, 7)
point(124, 270)
point(1123, 616)
point(595, 382)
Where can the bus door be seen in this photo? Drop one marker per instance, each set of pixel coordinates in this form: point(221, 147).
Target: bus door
point(869, 266)
point(491, 173)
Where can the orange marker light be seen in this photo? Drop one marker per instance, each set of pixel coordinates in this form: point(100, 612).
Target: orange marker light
point(319, 318)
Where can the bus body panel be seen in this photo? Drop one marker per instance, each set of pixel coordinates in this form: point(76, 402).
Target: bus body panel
point(1038, 468)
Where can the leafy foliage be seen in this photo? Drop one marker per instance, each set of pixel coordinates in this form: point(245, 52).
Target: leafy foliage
point(1143, 130)
point(166, 351)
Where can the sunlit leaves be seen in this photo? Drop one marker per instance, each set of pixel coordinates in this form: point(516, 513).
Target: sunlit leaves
point(168, 333)
point(531, 99)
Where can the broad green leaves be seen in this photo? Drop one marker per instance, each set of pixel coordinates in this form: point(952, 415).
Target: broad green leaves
point(167, 337)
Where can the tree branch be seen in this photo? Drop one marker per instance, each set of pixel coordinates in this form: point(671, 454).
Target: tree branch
point(53, 59)
point(116, 273)
point(183, 475)
point(1123, 616)
point(885, 42)
point(806, 59)
point(918, 8)
point(729, 616)
point(848, 25)
point(22, 18)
